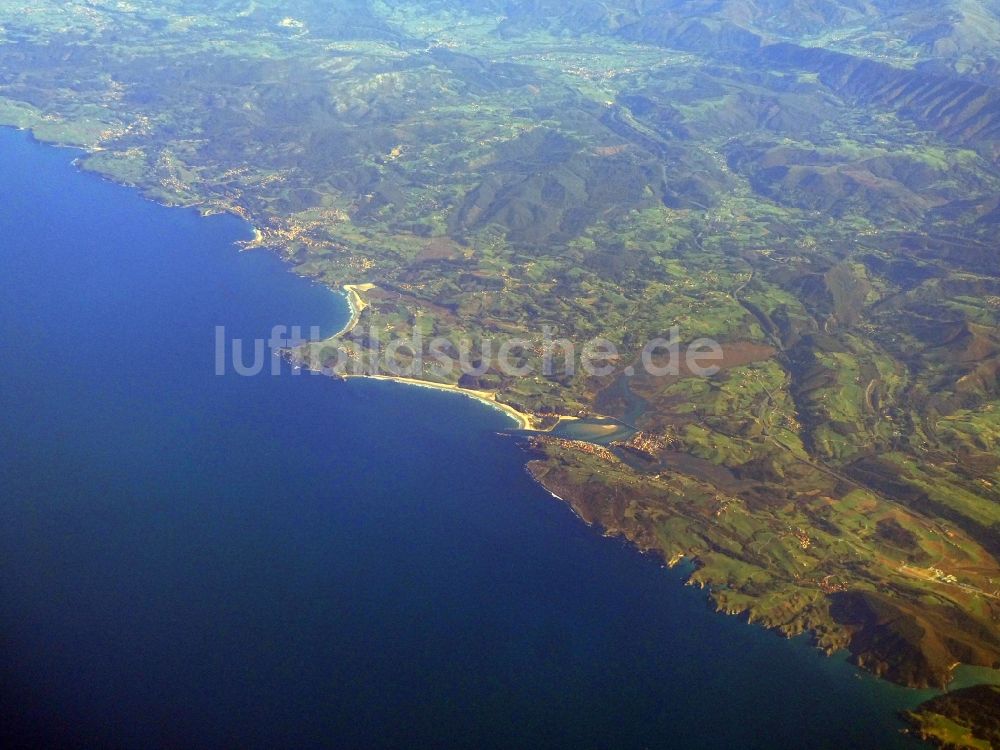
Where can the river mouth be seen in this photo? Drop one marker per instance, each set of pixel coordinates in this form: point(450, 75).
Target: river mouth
point(210, 560)
point(594, 430)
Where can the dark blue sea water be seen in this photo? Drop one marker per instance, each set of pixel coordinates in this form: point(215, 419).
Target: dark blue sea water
point(189, 560)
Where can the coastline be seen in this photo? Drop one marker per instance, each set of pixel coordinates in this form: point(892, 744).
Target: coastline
point(430, 411)
point(352, 293)
point(355, 303)
point(525, 421)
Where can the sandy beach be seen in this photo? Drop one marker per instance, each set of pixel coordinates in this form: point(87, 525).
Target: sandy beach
point(356, 303)
point(524, 420)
